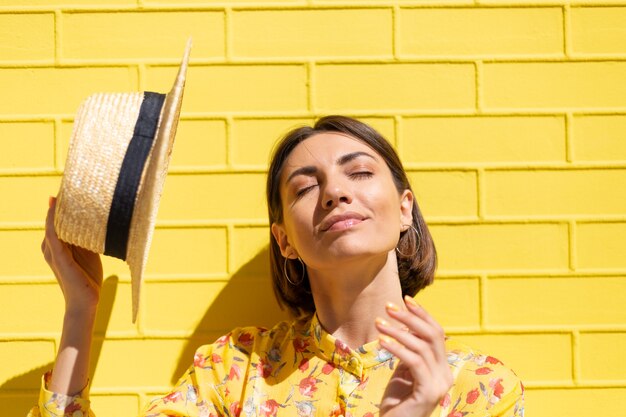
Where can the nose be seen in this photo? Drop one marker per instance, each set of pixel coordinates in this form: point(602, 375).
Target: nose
point(335, 193)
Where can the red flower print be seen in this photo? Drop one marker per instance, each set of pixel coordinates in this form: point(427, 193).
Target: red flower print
point(307, 386)
point(198, 360)
point(304, 365)
point(70, 409)
point(263, 368)
point(483, 371)
point(492, 360)
point(472, 396)
point(445, 401)
point(215, 358)
point(498, 389)
point(246, 339)
point(235, 372)
point(341, 348)
point(173, 397)
point(455, 413)
point(268, 408)
point(328, 368)
point(234, 409)
point(300, 345)
point(222, 340)
point(337, 411)
point(363, 383)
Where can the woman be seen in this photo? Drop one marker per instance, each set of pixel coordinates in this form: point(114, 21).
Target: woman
point(349, 249)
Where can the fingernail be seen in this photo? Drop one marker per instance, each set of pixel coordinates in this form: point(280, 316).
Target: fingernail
point(381, 322)
point(50, 200)
point(411, 300)
point(392, 306)
point(386, 339)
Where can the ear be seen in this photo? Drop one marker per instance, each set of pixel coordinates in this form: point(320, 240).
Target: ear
point(280, 234)
point(406, 207)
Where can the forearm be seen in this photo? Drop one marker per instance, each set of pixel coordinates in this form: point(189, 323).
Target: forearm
point(71, 370)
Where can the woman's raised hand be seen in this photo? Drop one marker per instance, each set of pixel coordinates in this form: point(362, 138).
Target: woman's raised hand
point(422, 376)
point(78, 270)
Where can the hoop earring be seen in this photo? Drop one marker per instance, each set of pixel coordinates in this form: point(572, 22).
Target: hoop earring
point(287, 275)
point(417, 238)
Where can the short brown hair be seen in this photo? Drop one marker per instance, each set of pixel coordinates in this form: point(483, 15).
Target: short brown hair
point(417, 260)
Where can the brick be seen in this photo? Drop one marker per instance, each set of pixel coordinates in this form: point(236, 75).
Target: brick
point(140, 35)
point(495, 247)
point(37, 43)
point(29, 196)
point(386, 126)
point(26, 145)
point(598, 30)
point(306, 33)
point(556, 301)
point(599, 138)
point(555, 192)
point(554, 85)
point(131, 363)
point(394, 86)
point(533, 357)
point(207, 307)
point(115, 308)
point(21, 251)
point(115, 405)
point(448, 193)
point(188, 251)
point(22, 363)
point(600, 245)
point(237, 88)
point(217, 2)
point(575, 402)
point(481, 31)
point(48, 91)
point(452, 302)
point(598, 354)
point(199, 143)
point(21, 3)
point(17, 404)
point(483, 139)
point(214, 196)
point(253, 139)
point(251, 251)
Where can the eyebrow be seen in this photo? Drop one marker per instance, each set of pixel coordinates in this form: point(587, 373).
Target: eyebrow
point(342, 160)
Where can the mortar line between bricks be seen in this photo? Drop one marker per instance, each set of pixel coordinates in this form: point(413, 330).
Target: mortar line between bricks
point(57, 37)
point(228, 34)
point(567, 31)
point(478, 79)
point(576, 357)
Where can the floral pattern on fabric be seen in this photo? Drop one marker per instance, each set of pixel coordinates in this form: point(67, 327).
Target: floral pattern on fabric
point(298, 369)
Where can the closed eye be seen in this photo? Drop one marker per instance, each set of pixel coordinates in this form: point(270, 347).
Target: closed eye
point(304, 190)
point(361, 175)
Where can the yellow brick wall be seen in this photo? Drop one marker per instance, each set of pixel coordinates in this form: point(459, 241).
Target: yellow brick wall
point(510, 116)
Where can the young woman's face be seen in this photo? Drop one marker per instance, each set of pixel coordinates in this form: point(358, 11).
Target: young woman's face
point(339, 200)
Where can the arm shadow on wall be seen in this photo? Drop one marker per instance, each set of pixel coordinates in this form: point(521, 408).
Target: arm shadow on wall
point(17, 392)
point(246, 300)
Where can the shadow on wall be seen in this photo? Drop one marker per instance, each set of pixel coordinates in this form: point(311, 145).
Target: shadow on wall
point(17, 392)
point(246, 300)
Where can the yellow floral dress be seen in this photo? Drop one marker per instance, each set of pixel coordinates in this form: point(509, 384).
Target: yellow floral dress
point(298, 369)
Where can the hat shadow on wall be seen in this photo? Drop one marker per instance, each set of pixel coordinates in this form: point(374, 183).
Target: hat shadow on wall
point(17, 393)
point(246, 300)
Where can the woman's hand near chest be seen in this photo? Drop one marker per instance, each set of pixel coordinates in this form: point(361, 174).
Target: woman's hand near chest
point(422, 376)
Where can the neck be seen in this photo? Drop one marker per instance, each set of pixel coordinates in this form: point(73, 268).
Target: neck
point(349, 298)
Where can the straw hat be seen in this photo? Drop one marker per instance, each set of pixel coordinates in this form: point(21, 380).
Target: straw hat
point(114, 173)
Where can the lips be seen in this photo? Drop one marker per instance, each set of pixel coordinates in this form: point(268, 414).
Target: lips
point(341, 221)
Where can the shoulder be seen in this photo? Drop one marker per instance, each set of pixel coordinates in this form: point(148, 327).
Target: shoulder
point(254, 338)
point(482, 381)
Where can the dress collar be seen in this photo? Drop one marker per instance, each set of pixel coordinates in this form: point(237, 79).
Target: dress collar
point(341, 355)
